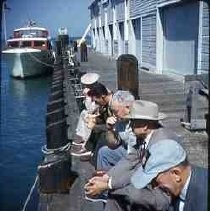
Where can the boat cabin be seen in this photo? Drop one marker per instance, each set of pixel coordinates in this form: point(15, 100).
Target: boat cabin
point(38, 44)
point(33, 37)
point(26, 33)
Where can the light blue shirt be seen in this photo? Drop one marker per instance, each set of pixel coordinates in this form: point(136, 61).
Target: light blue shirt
point(126, 134)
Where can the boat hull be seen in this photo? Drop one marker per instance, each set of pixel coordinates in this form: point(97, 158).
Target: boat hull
point(28, 62)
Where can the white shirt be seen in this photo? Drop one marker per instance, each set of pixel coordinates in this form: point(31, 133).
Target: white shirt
point(89, 104)
point(147, 139)
point(184, 193)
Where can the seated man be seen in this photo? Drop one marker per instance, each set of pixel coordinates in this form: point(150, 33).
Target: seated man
point(82, 131)
point(167, 167)
point(119, 134)
point(96, 121)
point(144, 117)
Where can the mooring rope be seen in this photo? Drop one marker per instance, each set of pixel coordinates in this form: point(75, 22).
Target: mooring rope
point(30, 193)
point(38, 60)
point(51, 151)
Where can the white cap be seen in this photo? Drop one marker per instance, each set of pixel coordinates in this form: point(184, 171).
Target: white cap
point(89, 78)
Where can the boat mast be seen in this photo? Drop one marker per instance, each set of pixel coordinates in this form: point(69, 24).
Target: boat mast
point(4, 7)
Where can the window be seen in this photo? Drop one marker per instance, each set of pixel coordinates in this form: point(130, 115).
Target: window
point(13, 44)
point(26, 44)
point(39, 44)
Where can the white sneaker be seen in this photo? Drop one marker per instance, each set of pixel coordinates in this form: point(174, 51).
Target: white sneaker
point(77, 144)
point(99, 198)
point(81, 153)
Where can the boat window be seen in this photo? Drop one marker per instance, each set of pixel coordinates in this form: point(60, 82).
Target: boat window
point(13, 44)
point(26, 44)
point(17, 34)
point(39, 43)
point(44, 33)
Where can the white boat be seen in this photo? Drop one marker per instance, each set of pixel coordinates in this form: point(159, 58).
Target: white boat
point(28, 52)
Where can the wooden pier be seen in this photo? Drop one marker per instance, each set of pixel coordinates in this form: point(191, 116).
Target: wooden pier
point(166, 91)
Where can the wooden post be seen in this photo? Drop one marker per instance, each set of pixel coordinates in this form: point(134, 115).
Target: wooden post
point(127, 74)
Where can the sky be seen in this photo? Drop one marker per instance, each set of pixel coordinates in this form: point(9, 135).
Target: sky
point(52, 14)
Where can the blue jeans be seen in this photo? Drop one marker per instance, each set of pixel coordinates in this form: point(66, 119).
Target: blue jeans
point(107, 158)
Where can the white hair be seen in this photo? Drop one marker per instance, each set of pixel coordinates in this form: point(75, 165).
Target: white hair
point(123, 97)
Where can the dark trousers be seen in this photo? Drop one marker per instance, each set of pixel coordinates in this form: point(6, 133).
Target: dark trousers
point(189, 108)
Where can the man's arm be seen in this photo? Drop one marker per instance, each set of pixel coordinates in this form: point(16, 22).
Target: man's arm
point(112, 140)
point(147, 198)
point(118, 177)
point(121, 173)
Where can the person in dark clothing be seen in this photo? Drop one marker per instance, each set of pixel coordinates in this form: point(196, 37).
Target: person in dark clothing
point(189, 104)
point(75, 46)
point(82, 52)
point(96, 120)
point(85, 52)
point(102, 97)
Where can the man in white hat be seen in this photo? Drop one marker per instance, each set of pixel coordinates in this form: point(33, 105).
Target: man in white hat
point(82, 131)
point(144, 117)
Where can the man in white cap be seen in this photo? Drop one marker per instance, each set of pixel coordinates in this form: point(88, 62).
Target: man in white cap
point(144, 117)
point(167, 167)
point(82, 131)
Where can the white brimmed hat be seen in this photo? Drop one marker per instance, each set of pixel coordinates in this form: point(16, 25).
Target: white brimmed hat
point(142, 109)
point(89, 78)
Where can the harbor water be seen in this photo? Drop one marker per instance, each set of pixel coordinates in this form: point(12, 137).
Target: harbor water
point(23, 108)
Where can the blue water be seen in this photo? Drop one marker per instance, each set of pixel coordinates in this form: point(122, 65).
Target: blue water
point(23, 107)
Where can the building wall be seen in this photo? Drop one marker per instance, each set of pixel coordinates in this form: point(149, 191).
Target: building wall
point(167, 2)
point(131, 38)
point(120, 10)
point(205, 54)
point(102, 15)
point(142, 7)
point(110, 12)
point(150, 47)
point(149, 42)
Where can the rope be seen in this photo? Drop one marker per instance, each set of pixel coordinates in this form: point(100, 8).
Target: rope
point(38, 60)
point(51, 151)
point(70, 60)
point(30, 193)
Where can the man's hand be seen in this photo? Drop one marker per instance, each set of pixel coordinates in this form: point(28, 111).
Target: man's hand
point(96, 185)
point(90, 120)
point(110, 122)
point(85, 91)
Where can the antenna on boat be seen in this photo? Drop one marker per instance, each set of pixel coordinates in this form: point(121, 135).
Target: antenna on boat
point(4, 8)
point(31, 23)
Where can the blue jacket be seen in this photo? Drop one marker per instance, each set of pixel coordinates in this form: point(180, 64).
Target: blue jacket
point(196, 198)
